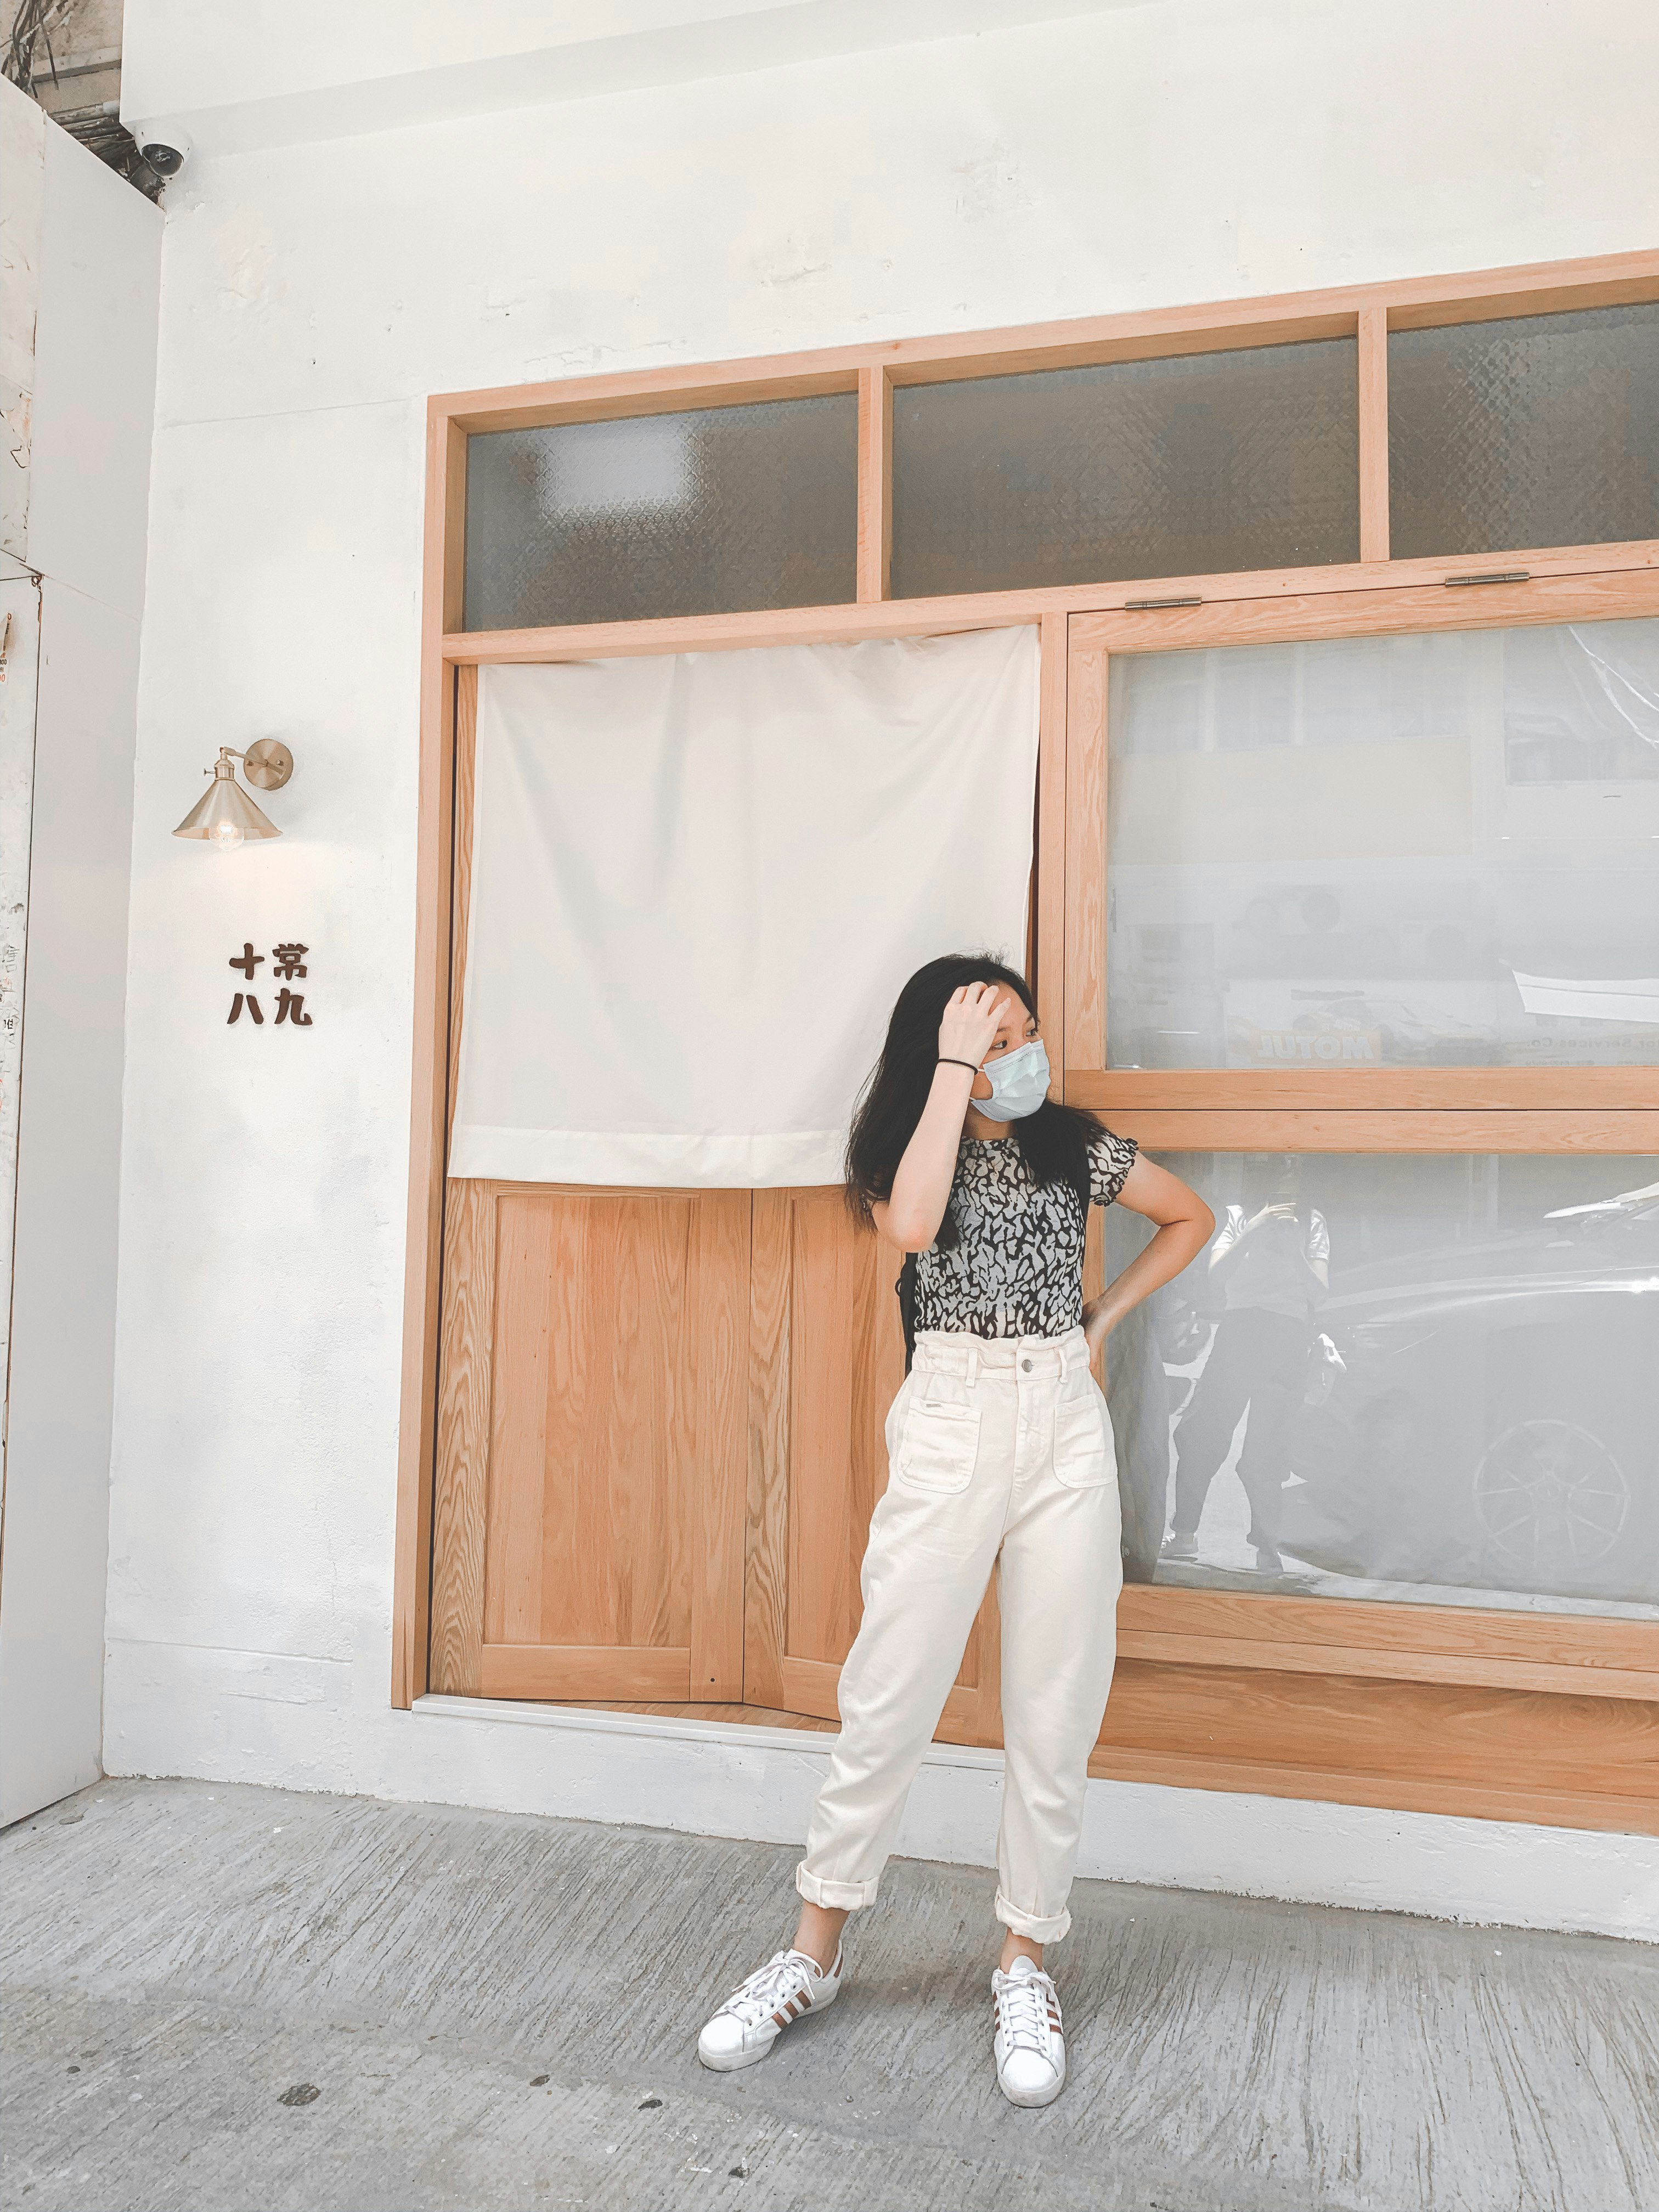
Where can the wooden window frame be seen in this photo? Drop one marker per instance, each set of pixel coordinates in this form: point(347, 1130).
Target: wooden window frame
point(1599, 1109)
point(1376, 1110)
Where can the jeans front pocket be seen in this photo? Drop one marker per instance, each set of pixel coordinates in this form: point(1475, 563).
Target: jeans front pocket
point(938, 1446)
point(1085, 1456)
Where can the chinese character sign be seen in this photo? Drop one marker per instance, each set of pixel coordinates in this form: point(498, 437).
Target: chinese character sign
point(287, 961)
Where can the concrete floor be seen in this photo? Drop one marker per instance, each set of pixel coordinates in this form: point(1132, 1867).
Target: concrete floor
point(497, 2013)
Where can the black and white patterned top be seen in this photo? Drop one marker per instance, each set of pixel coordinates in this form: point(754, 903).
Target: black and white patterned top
point(1018, 1270)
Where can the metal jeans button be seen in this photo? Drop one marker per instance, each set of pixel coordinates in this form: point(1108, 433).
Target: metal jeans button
point(1026, 1364)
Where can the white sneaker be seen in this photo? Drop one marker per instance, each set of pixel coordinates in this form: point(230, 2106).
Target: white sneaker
point(1030, 2045)
point(753, 2017)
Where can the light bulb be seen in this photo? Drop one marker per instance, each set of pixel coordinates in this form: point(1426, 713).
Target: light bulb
point(226, 835)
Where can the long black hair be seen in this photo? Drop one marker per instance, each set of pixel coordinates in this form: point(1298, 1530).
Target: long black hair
point(1054, 1142)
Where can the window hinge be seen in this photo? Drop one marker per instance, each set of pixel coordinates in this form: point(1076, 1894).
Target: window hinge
point(1494, 576)
point(1141, 606)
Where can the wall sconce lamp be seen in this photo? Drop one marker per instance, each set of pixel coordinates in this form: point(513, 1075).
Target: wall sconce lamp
point(225, 815)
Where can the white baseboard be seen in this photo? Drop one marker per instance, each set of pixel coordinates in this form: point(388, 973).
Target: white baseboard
point(714, 1779)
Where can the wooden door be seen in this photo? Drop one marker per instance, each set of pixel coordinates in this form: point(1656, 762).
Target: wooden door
point(588, 1514)
point(827, 1356)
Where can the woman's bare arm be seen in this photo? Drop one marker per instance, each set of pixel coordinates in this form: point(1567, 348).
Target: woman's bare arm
point(1184, 1226)
point(922, 1187)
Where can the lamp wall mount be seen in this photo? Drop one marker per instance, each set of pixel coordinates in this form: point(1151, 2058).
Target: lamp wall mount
point(224, 815)
point(267, 763)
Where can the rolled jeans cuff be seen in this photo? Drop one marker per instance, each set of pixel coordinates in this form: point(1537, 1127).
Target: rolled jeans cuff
point(1037, 1927)
point(833, 1896)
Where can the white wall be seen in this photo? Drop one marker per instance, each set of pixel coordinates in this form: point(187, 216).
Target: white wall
point(220, 75)
point(311, 298)
point(92, 309)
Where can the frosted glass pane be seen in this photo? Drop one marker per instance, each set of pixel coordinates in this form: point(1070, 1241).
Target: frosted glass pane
point(1419, 851)
point(713, 511)
point(1214, 462)
point(1410, 1377)
point(1542, 430)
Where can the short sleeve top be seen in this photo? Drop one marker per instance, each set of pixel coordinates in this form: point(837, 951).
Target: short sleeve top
point(1017, 1267)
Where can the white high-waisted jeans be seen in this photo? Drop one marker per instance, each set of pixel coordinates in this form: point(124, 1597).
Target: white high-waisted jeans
point(1000, 1451)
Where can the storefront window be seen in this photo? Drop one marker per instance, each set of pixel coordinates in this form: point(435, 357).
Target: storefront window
point(1418, 1377)
point(1432, 850)
point(717, 510)
point(1246, 458)
point(1533, 430)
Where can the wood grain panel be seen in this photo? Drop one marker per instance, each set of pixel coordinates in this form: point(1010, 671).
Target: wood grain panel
point(1403, 1090)
point(1401, 609)
point(1335, 1724)
point(549, 1671)
point(538, 1278)
point(1563, 1642)
point(1493, 1799)
point(1497, 1800)
point(1395, 1665)
point(659, 392)
point(609, 1446)
point(1586, 1130)
point(592, 1435)
point(460, 1484)
point(810, 1688)
point(975, 1716)
point(1374, 433)
point(720, 1294)
point(446, 454)
point(766, 1572)
point(825, 1533)
point(445, 578)
point(975, 1704)
point(846, 1363)
point(878, 1378)
point(1605, 568)
point(875, 483)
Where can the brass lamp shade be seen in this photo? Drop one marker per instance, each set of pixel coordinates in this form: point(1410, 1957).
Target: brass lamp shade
point(223, 805)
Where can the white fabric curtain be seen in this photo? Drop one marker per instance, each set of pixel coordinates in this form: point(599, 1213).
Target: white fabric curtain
point(698, 882)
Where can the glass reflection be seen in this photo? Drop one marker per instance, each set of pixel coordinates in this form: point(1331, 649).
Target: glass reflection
point(1266, 1276)
point(1418, 1377)
point(1416, 851)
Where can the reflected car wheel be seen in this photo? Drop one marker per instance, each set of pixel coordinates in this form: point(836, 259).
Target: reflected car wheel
point(1551, 1496)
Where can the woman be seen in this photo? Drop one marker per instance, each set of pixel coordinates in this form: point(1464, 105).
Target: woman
point(1000, 1454)
point(1271, 1265)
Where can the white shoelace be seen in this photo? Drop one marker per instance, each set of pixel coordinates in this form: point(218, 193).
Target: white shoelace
point(1024, 2016)
point(769, 1988)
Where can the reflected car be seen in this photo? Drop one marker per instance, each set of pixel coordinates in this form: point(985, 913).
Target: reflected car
point(1350, 1029)
point(1492, 1422)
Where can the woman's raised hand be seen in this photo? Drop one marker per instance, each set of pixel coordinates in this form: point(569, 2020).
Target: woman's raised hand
point(971, 1016)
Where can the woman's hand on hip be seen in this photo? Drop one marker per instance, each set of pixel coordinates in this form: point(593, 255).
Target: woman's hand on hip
point(969, 1025)
point(1097, 1320)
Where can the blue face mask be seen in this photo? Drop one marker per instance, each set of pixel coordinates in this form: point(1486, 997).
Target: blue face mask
point(1019, 1084)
